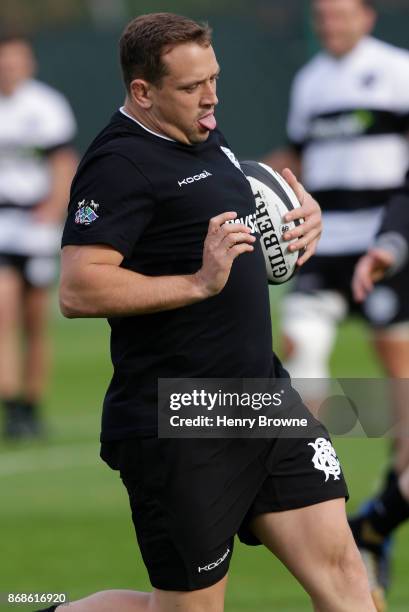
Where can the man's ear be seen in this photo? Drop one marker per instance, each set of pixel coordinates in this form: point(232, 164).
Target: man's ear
point(140, 93)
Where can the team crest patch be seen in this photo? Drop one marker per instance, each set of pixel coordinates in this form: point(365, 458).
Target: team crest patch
point(325, 458)
point(232, 157)
point(85, 215)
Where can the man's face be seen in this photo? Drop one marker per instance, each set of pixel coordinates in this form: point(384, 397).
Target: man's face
point(340, 24)
point(16, 65)
point(183, 104)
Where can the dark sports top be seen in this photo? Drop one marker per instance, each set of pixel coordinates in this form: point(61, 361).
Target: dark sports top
point(396, 217)
point(151, 199)
point(393, 235)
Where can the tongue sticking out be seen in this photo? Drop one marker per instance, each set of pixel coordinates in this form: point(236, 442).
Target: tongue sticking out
point(208, 122)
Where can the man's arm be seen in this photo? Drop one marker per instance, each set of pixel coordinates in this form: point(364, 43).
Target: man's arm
point(391, 249)
point(287, 157)
point(62, 165)
point(94, 285)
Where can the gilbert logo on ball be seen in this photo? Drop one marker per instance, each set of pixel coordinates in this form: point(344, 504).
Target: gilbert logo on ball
point(274, 198)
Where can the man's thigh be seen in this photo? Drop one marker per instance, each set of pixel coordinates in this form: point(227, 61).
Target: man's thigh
point(307, 540)
point(210, 599)
point(188, 499)
point(32, 271)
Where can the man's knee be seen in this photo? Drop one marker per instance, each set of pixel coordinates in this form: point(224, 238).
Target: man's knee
point(345, 569)
point(309, 325)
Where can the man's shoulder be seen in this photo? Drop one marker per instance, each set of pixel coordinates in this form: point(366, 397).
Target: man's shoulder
point(52, 118)
point(117, 138)
point(42, 93)
point(382, 50)
point(312, 68)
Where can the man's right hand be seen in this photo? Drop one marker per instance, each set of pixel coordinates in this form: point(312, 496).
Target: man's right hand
point(370, 268)
point(93, 283)
point(224, 242)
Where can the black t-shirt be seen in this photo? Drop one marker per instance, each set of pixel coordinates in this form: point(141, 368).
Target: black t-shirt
point(151, 199)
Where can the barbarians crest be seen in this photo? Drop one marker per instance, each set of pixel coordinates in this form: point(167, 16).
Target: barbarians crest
point(232, 157)
point(85, 214)
point(325, 458)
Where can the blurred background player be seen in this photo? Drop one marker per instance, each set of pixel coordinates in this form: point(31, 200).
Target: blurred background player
point(37, 164)
point(348, 124)
point(390, 252)
point(390, 508)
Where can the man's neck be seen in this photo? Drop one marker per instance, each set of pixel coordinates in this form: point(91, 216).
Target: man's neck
point(9, 89)
point(143, 120)
point(349, 51)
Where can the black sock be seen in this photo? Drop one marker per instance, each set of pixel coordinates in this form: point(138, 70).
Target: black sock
point(21, 419)
point(389, 510)
point(30, 409)
point(391, 478)
point(11, 405)
point(13, 416)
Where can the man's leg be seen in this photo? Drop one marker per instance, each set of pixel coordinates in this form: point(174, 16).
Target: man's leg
point(316, 545)
point(392, 346)
point(309, 327)
point(379, 517)
point(36, 358)
point(389, 510)
point(375, 524)
point(10, 309)
point(210, 599)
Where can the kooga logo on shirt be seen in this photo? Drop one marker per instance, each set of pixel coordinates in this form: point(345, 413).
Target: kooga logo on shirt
point(196, 177)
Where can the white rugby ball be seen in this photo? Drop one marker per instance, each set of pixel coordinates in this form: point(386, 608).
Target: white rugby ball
point(274, 198)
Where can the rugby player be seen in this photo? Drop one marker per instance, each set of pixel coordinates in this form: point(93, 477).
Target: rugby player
point(147, 245)
point(348, 125)
point(37, 163)
point(373, 527)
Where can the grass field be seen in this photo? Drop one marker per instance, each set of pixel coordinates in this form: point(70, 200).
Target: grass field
point(64, 520)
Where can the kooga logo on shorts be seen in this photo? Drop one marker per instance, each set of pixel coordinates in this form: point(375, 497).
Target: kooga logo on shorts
point(196, 177)
point(211, 566)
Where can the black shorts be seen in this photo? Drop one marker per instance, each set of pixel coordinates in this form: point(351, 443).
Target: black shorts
point(35, 271)
point(190, 497)
point(386, 305)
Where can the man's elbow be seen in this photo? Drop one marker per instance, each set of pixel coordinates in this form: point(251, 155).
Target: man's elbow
point(67, 306)
point(72, 306)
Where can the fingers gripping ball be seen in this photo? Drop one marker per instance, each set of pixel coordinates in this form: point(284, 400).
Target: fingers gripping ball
point(274, 198)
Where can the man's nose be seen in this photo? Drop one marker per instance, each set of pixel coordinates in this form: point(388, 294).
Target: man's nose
point(209, 97)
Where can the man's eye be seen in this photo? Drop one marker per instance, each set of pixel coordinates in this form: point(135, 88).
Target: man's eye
point(191, 88)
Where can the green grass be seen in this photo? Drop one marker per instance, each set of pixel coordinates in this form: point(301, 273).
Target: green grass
point(64, 519)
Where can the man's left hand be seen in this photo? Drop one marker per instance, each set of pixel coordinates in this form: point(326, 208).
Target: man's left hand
point(309, 232)
point(370, 268)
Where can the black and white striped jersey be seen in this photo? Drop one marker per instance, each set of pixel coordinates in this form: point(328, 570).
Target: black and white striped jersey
point(34, 120)
point(349, 118)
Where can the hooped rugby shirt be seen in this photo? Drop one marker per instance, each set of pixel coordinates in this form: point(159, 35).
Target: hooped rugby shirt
point(35, 120)
point(151, 199)
point(349, 117)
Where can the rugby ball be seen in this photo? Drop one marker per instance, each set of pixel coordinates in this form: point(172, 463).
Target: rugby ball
point(274, 198)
